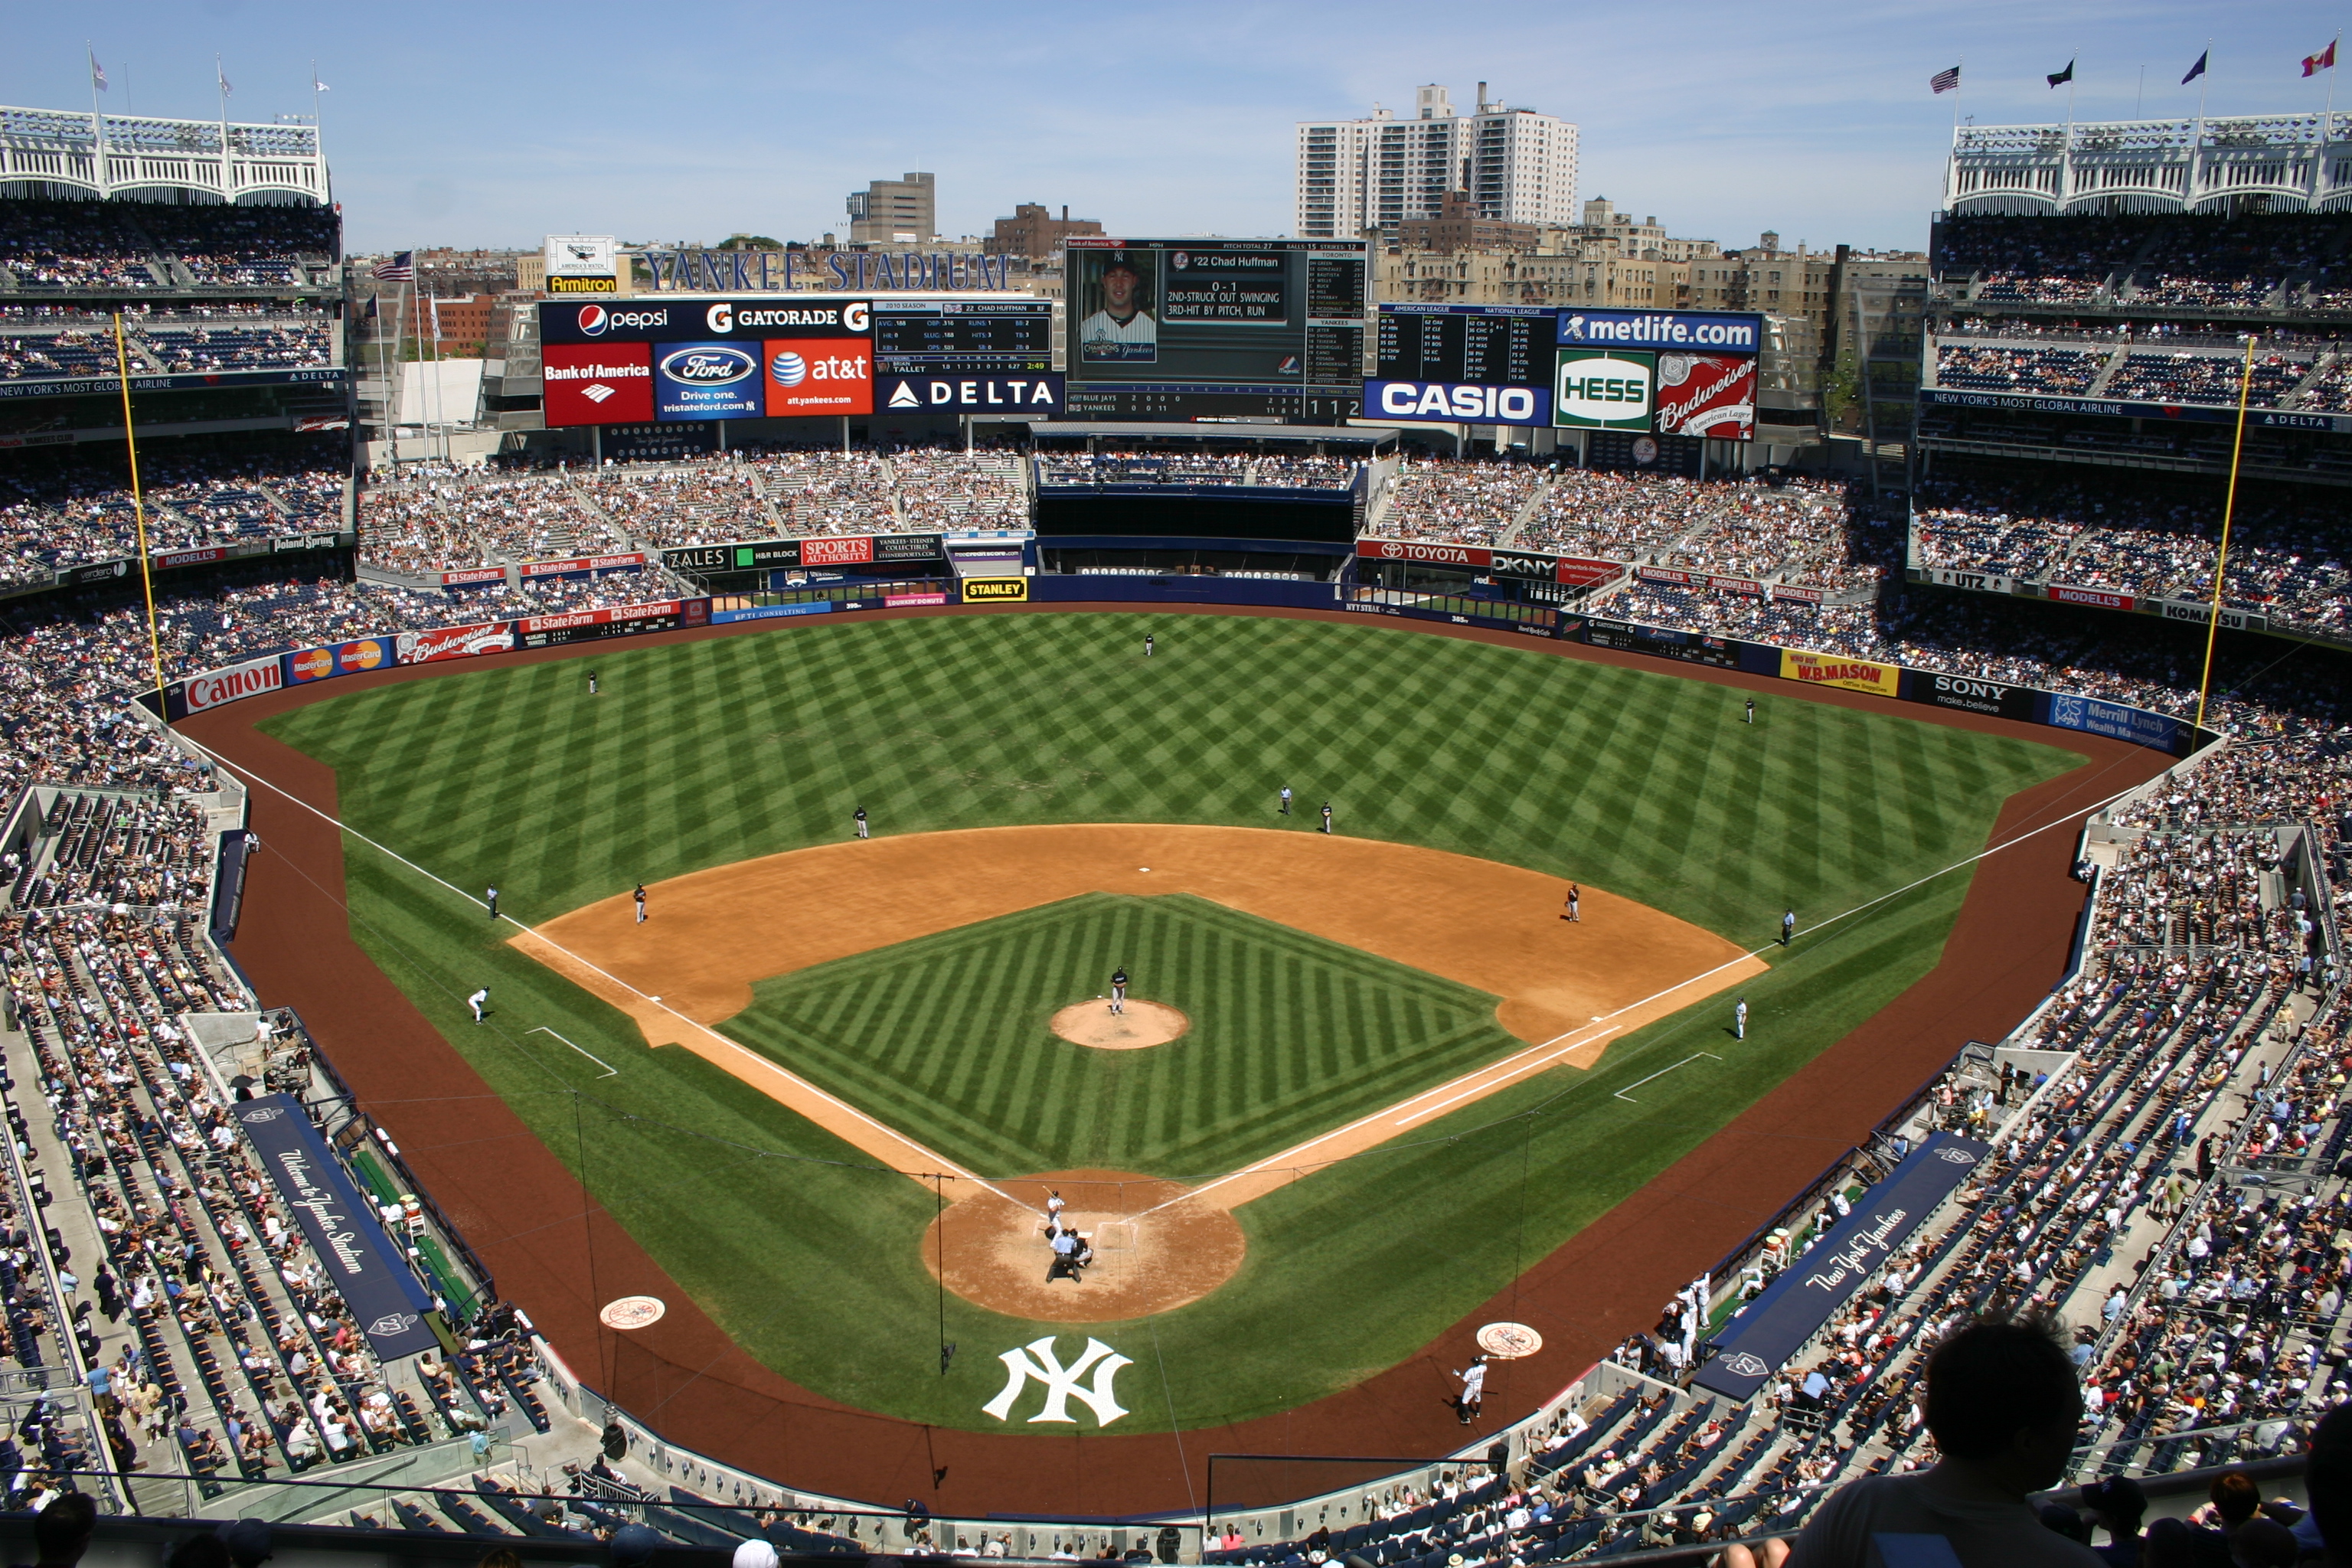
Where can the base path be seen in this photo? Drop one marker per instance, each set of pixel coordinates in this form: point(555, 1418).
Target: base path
point(562, 1258)
point(1567, 988)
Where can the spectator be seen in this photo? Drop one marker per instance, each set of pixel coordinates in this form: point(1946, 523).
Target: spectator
point(61, 1534)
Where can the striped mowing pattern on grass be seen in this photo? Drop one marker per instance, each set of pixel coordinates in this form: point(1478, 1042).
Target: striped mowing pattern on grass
point(946, 1038)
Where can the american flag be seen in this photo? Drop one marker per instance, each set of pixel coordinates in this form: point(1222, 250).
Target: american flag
point(401, 268)
point(1945, 81)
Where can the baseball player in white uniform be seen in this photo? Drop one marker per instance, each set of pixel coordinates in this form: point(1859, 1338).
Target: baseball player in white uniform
point(1122, 319)
point(476, 1000)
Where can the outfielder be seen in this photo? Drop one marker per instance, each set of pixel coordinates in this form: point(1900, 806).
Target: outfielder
point(1751, 710)
point(1286, 800)
point(1147, 645)
point(592, 683)
point(1119, 989)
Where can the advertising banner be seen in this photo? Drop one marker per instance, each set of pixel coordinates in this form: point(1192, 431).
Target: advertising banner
point(454, 642)
point(971, 394)
point(366, 1269)
point(583, 565)
point(707, 381)
point(582, 264)
point(894, 600)
point(1456, 402)
point(215, 686)
point(995, 590)
point(1847, 674)
point(1971, 695)
point(2207, 414)
point(771, 612)
point(1709, 395)
point(474, 577)
point(1800, 595)
point(2116, 722)
point(2198, 612)
point(648, 319)
point(205, 557)
point(596, 383)
point(1722, 331)
point(1982, 582)
point(1600, 389)
point(818, 375)
point(2105, 598)
point(1765, 1334)
point(1579, 571)
point(340, 658)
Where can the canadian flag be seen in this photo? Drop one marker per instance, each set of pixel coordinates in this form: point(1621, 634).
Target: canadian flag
point(2324, 60)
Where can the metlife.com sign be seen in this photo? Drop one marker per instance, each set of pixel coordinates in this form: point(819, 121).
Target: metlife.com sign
point(1717, 332)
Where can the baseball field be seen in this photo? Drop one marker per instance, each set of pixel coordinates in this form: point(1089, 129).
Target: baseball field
point(812, 1045)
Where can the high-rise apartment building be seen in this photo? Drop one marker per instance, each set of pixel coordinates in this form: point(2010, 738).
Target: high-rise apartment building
point(904, 211)
point(1513, 165)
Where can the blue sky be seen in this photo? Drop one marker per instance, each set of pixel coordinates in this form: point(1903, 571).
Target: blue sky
point(495, 123)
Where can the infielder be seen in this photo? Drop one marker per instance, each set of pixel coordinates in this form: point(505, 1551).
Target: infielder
point(863, 831)
point(1326, 816)
point(476, 1002)
point(1473, 1389)
point(1575, 897)
point(493, 901)
point(641, 903)
point(1286, 800)
point(1740, 1020)
point(1119, 989)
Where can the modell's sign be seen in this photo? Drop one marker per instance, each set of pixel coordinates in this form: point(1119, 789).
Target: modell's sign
point(216, 687)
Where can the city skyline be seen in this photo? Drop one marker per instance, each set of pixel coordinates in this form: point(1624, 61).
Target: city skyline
point(480, 129)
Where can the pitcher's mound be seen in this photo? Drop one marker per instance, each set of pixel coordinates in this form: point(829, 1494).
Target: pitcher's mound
point(1143, 1023)
point(1144, 1262)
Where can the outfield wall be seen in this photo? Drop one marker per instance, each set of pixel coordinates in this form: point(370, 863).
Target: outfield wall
point(1935, 688)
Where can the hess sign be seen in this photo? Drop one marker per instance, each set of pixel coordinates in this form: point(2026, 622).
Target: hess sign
point(1599, 390)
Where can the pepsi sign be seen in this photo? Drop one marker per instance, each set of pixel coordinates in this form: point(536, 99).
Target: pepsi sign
point(707, 381)
point(595, 321)
point(1456, 402)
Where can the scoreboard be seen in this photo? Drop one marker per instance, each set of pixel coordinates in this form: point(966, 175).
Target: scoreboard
point(1479, 364)
point(1183, 329)
point(956, 337)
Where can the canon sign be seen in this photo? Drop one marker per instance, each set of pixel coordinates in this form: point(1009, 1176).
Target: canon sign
point(216, 687)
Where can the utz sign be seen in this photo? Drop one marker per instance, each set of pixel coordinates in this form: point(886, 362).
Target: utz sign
point(1598, 389)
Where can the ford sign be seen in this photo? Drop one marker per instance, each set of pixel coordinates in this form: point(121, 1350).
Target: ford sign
point(709, 366)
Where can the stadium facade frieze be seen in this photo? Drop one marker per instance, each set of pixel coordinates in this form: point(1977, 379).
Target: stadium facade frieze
point(851, 271)
point(83, 385)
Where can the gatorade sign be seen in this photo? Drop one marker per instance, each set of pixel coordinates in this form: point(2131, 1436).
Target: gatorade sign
point(1598, 389)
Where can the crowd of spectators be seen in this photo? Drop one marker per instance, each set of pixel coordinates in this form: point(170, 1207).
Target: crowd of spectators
point(1472, 500)
point(431, 524)
point(2181, 376)
point(666, 507)
point(65, 509)
point(942, 489)
point(49, 244)
point(2066, 373)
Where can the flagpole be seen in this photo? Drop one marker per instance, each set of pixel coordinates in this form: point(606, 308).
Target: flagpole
point(139, 515)
point(2197, 143)
point(97, 118)
point(2229, 511)
point(1959, 88)
point(220, 81)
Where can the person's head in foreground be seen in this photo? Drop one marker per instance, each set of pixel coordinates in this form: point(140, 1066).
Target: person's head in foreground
point(2003, 1402)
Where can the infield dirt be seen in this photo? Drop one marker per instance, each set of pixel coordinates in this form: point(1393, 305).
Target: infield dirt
point(1567, 988)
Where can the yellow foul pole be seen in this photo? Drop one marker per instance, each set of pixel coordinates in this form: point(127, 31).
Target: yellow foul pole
point(139, 514)
point(2229, 511)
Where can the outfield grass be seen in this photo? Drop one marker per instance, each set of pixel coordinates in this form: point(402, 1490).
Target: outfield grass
point(946, 1038)
point(702, 753)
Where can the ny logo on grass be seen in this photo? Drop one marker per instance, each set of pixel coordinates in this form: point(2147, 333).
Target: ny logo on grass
point(1037, 1359)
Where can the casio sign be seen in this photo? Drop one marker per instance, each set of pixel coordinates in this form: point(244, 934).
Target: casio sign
point(709, 367)
point(1457, 401)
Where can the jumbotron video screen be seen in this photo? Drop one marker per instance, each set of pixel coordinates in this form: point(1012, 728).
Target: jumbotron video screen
point(1184, 329)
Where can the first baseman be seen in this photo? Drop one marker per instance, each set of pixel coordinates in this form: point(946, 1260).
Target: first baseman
point(1119, 989)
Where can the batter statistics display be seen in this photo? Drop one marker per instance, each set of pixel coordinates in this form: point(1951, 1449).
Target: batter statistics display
point(680, 359)
point(1484, 364)
point(1181, 330)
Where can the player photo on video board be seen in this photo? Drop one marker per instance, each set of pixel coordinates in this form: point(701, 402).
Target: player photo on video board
point(1117, 323)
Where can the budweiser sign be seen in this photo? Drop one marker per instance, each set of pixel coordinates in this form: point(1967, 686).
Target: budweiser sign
point(1713, 395)
point(215, 686)
point(455, 642)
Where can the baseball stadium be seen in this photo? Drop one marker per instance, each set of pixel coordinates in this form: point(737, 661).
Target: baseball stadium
point(733, 956)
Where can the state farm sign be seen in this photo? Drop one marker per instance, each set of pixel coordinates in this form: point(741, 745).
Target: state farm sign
point(215, 686)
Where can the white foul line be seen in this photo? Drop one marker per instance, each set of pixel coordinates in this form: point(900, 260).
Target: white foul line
point(1529, 1065)
point(1661, 1073)
point(763, 1063)
point(610, 1071)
